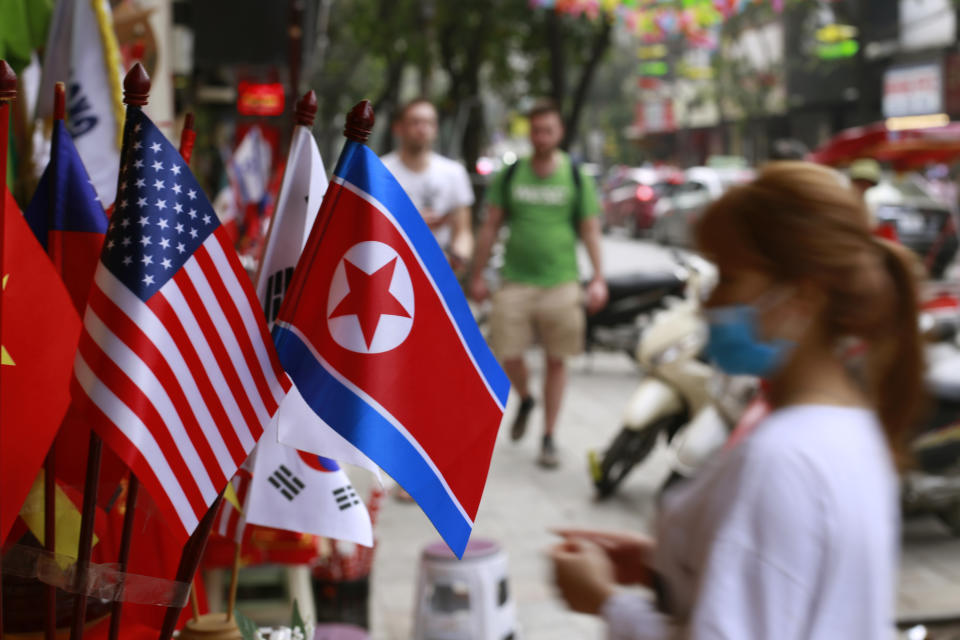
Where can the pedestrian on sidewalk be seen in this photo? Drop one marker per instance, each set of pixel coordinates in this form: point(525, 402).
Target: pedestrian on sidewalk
point(793, 533)
point(438, 186)
point(547, 203)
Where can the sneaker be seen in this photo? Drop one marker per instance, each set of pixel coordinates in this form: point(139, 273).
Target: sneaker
point(548, 458)
point(520, 421)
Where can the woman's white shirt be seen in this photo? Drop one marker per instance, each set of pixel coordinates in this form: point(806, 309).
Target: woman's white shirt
point(792, 535)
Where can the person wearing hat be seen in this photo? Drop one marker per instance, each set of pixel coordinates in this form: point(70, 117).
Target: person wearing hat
point(864, 175)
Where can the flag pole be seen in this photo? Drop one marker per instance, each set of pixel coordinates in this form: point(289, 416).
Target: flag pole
point(195, 600)
point(86, 536)
point(136, 88)
point(50, 462)
point(126, 536)
point(234, 580)
point(8, 92)
point(189, 562)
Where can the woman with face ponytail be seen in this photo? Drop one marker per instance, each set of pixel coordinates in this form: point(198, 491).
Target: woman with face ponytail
point(794, 532)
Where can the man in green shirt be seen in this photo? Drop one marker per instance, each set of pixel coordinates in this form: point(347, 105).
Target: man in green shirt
point(547, 203)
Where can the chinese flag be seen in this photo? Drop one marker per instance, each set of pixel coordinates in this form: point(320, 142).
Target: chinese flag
point(39, 333)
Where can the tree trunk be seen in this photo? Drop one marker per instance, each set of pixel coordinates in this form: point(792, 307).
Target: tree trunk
point(600, 45)
point(558, 65)
point(428, 13)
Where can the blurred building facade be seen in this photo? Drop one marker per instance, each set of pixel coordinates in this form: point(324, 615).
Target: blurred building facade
point(815, 69)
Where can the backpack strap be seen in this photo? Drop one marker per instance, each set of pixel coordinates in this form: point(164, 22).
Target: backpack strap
point(505, 188)
point(577, 194)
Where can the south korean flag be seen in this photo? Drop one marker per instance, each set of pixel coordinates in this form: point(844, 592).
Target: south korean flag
point(304, 492)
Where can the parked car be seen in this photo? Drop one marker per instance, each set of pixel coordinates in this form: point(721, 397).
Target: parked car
point(630, 195)
point(677, 212)
point(922, 223)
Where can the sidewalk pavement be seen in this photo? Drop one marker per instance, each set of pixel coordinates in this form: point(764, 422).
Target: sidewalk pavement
point(522, 502)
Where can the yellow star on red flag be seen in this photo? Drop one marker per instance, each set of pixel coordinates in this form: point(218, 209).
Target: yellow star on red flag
point(5, 358)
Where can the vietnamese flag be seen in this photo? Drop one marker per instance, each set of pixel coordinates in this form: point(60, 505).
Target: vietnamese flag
point(39, 335)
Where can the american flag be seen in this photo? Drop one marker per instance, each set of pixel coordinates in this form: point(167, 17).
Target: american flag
point(177, 370)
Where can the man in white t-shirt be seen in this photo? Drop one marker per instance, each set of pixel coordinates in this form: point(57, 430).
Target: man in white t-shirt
point(439, 187)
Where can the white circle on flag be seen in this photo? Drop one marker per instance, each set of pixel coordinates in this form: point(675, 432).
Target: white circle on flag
point(372, 316)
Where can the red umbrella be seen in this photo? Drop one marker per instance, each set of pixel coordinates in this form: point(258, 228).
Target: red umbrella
point(904, 149)
point(850, 144)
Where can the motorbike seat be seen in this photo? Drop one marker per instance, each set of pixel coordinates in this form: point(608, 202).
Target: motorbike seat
point(943, 379)
point(639, 283)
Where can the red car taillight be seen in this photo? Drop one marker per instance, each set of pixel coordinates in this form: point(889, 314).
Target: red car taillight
point(645, 193)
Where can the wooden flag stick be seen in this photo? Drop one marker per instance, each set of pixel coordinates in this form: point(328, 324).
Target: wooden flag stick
point(8, 92)
point(189, 562)
point(85, 546)
point(50, 463)
point(195, 600)
point(126, 536)
point(234, 580)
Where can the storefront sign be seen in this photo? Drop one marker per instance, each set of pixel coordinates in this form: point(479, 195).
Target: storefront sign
point(951, 83)
point(255, 99)
point(926, 24)
point(655, 116)
point(913, 90)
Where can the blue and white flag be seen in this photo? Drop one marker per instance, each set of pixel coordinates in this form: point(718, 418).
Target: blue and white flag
point(82, 52)
point(304, 492)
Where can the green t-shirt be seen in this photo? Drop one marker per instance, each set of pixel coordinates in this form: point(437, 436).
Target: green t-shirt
point(542, 246)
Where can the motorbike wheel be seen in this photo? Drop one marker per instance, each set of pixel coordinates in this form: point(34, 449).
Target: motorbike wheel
point(628, 449)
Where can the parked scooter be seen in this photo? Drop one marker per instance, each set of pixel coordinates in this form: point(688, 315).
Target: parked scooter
point(680, 397)
point(631, 294)
point(932, 485)
point(616, 327)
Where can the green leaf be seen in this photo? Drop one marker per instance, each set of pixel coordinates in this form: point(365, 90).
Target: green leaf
point(297, 621)
point(248, 628)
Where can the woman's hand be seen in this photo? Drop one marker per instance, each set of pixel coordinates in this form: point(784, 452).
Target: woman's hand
point(583, 574)
point(630, 553)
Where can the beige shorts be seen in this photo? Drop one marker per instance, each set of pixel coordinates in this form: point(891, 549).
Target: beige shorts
point(553, 315)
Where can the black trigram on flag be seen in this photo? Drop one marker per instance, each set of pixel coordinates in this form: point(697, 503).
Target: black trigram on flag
point(346, 497)
point(277, 285)
point(287, 483)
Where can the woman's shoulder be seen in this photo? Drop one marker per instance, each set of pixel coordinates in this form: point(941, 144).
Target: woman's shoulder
point(814, 429)
point(817, 445)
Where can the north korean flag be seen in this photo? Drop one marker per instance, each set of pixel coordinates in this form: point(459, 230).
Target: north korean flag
point(379, 339)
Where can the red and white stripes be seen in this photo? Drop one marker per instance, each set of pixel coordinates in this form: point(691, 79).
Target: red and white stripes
point(183, 384)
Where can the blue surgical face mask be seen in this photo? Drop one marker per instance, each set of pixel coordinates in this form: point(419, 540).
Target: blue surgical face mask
point(735, 346)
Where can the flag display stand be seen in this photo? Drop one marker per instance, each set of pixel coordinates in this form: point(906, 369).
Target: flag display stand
point(211, 626)
point(182, 382)
point(216, 626)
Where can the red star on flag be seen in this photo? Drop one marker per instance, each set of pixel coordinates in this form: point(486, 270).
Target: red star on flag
point(369, 298)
